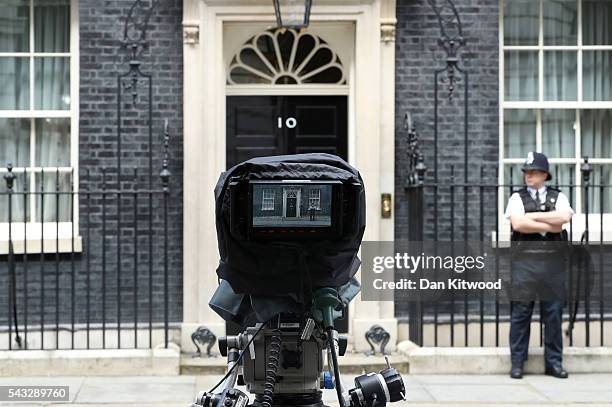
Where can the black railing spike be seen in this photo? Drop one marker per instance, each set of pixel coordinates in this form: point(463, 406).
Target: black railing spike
point(451, 43)
point(586, 169)
point(407, 121)
point(9, 176)
point(416, 159)
point(135, 43)
point(165, 173)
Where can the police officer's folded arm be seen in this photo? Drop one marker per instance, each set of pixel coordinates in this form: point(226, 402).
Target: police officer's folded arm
point(525, 224)
point(558, 217)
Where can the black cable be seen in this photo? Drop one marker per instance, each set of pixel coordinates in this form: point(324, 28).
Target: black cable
point(241, 354)
point(332, 346)
point(271, 369)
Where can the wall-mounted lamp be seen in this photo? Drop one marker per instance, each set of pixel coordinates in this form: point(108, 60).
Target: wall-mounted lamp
point(385, 206)
point(292, 13)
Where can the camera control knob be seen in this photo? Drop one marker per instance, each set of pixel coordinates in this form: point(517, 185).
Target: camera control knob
point(395, 384)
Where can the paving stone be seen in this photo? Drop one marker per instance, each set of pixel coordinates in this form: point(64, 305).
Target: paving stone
point(579, 390)
point(577, 396)
point(485, 393)
point(465, 379)
point(137, 390)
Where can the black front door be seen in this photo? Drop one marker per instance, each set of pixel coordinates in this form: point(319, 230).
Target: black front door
point(273, 125)
point(291, 209)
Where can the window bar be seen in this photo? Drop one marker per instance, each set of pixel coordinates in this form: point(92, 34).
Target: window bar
point(465, 190)
point(42, 258)
point(11, 260)
point(538, 129)
point(435, 152)
point(57, 273)
point(150, 106)
point(33, 192)
point(573, 303)
point(103, 258)
point(86, 184)
point(135, 287)
point(481, 190)
point(150, 241)
point(497, 259)
point(165, 197)
point(452, 238)
point(465, 238)
point(25, 257)
point(165, 178)
point(72, 270)
point(510, 191)
point(580, 55)
point(435, 304)
point(118, 269)
point(576, 176)
point(587, 299)
point(601, 269)
point(118, 226)
point(421, 316)
point(540, 53)
point(31, 71)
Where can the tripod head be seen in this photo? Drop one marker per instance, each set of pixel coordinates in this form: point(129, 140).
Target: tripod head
point(290, 360)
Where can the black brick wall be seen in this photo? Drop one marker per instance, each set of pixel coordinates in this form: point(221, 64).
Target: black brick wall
point(416, 49)
point(101, 29)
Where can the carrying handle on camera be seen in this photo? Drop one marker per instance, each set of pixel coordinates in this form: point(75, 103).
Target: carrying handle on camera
point(326, 301)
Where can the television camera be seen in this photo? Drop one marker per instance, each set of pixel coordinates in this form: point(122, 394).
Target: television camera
point(289, 229)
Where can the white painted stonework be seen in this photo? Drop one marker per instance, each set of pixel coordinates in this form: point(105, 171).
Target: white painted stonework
point(214, 30)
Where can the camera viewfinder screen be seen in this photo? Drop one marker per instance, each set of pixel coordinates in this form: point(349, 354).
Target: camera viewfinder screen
point(292, 205)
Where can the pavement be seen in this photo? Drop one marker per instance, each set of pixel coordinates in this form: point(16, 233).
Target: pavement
point(421, 390)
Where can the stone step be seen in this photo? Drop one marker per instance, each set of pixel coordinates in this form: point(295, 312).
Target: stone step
point(353, 363)
point(475, 360)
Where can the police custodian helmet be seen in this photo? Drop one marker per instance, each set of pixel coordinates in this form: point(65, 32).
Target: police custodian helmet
point(537, 161)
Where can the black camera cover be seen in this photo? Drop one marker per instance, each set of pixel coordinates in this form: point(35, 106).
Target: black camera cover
point(276, 267)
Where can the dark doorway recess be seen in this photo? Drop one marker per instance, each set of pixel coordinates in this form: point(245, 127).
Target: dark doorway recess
point(259, 126)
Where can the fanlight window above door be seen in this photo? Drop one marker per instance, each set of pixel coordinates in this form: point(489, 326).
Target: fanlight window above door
point(285, 57)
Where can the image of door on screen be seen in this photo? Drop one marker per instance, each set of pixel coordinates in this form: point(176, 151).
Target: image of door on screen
point(286, 205)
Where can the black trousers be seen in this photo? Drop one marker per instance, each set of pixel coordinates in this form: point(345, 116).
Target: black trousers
point(539, 273)
point(520, 323)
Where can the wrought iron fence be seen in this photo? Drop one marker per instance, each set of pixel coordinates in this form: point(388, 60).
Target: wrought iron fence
point(454, 210)
point(85, 267)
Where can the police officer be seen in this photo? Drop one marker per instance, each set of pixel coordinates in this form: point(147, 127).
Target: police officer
point(312, 211)
point(537, 214)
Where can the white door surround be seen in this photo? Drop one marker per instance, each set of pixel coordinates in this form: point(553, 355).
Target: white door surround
point(371, 140)
point(298, 199)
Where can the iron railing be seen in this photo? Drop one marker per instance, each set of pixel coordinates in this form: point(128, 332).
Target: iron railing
point(457, 211)
point(98, 268)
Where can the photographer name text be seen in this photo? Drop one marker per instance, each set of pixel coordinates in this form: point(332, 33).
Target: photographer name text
point(426, 284)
